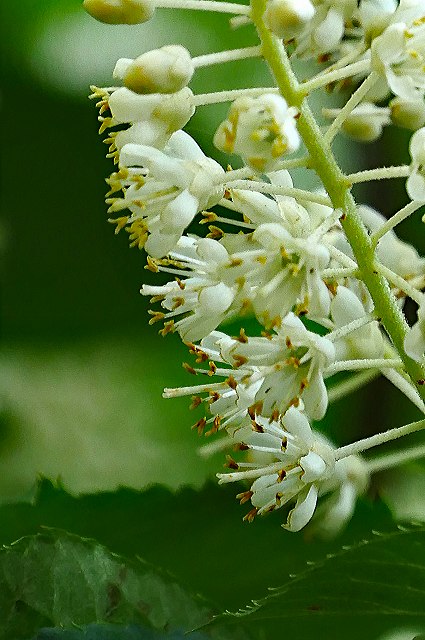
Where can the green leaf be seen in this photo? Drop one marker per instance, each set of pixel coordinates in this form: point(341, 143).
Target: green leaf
point(198, 536)
point(58, 579)
point(376, 584)
point(110, 632)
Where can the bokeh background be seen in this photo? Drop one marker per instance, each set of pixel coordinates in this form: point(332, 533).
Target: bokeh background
point(81, 372)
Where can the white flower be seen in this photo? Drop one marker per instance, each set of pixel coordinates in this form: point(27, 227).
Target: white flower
point(261, 130)
point(324, 33)
point(398, 55)
point(414, 342)
point(395, 254)
point(295, 254)
point(349, 481)
point(286, 18)
point(216, 287)
point(299, 463)
point(164, 70)
point(153, 118)
point(120, 11)
point(415, 184)
point(165, 189)
point(374, 16)
point(272, 372)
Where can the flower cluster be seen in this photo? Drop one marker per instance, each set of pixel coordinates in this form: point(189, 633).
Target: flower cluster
point(317, 274)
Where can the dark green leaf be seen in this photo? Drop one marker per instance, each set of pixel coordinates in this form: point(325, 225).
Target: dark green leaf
point(189, 533)
point(100, 632)
point(58, 579)
point(362, 587)
point(111, 632)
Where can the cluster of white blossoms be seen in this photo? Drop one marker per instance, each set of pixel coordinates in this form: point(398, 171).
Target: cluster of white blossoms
point(321, 280)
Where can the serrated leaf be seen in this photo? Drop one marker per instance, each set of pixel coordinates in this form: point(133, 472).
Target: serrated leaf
point(57, 579)
point(110, 632)
point(379, 579)
point(198, 536)
point(101, 632)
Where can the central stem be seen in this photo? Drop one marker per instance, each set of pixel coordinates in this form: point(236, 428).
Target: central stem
point(335, 182)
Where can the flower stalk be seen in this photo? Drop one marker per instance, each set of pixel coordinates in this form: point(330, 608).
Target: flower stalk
point(325, 165)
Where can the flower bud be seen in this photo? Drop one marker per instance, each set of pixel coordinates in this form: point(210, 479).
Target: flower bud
point(164, 70)
point(173, 110)
point(366, 122)
point(261, 130)
point(120, 11)
point(286, 18)
point(409, 114)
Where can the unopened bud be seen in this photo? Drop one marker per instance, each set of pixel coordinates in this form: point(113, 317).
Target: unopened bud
point(120, 11)
point(164, 70)
point(408, 114)
point(286, 18)
point(261, 130)
point(173, 110)
point(366, 122)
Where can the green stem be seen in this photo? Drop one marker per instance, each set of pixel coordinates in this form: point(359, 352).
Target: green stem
point(335, 182)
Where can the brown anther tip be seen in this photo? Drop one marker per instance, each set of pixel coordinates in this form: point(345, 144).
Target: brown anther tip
point(239, 360)
point(200, 426)
point(303, 385)
point(256, 427)
point(281, 475)
point(421, 382)
point(231, 464)
point(241, 446)
point(242, 337)
point(151, 265)
point(212, 368)
point(188, 368)
point(196, 401)
point(275, 415)
point(215, 427)
point(168, 328)
point(181, 284)
point(250, 516)
point(245, 496)
point(231, 382)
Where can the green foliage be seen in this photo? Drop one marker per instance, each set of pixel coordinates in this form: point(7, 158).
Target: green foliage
point(58, 579)
point(110, 632)
point(381, 577)
point(99, 632)
point(189, 533)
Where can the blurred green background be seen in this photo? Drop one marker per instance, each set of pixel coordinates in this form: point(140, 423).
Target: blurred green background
point(81, 372)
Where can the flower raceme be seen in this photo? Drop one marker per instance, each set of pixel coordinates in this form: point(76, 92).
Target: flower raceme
point(321, 280)
point(294, 462)
point(300, 463)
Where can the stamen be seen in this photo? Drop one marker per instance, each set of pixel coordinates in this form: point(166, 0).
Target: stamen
point(226, 56)
point(202, 99)
point(205, 5)
point(324, 79)
point(352, 103)
point(272, 189)
point(378, 439)
point(366, 363)
point(398, 217)
point(382, 173)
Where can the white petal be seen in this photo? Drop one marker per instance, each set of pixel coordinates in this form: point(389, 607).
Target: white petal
point(314, 467)
point(216, 299)
point(298, 425)
point(303, 511)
